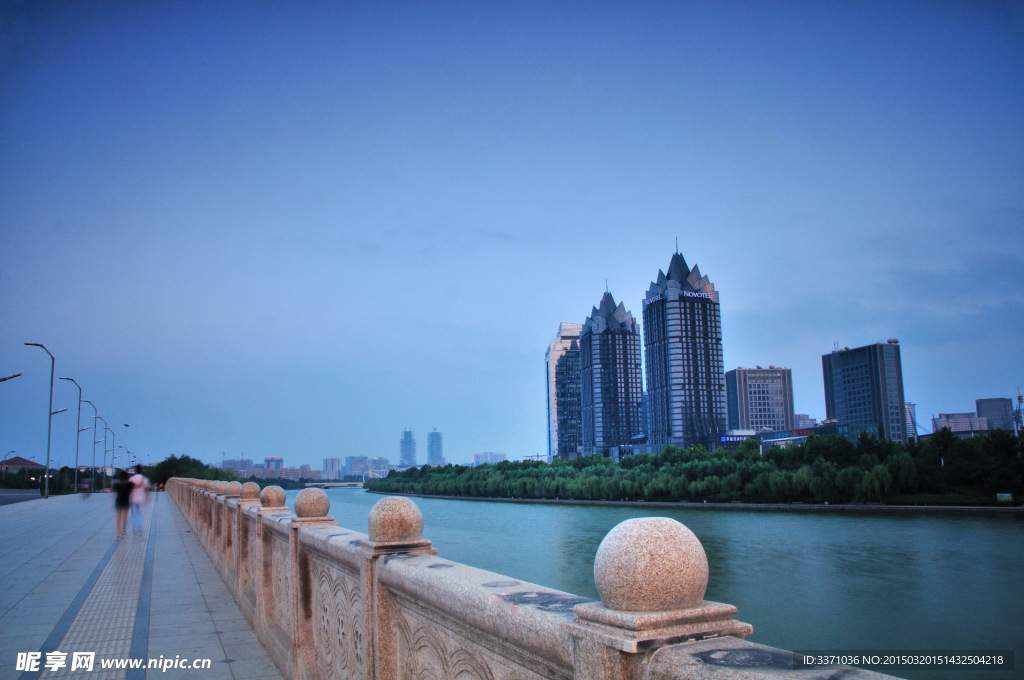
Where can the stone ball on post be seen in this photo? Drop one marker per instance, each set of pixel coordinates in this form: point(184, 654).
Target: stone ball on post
point(272, 497)
point(233, 489)
point(250, 491)
point(222, 488)
point(395, 520)
point(312, 502)
point(651, 564)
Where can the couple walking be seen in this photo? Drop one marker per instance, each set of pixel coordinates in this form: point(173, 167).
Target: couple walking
point(130, 493)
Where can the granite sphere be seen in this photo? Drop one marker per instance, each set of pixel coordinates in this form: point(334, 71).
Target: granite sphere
point(233, 489)
point(651, 564)
point(312, 502)
point(272, 497)
point(395, 519)
point(250, 491)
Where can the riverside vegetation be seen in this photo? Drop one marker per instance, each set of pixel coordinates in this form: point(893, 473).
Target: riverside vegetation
point(942, 469)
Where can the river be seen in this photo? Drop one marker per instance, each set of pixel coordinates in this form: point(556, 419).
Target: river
point(843, 582)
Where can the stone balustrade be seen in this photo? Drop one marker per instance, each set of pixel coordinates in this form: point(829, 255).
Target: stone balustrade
point(329, 603)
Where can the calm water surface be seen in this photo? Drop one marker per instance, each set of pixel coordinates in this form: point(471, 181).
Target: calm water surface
point(804, 580)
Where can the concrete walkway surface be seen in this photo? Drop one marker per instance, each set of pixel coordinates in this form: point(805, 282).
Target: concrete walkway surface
point(69, 585)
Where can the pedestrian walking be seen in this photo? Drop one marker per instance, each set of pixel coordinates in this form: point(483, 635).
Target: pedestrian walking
point(122, 501)
point(139, 497)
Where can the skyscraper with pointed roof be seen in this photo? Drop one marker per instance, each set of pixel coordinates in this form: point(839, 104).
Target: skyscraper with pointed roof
point(683, 352)
point(611, 390)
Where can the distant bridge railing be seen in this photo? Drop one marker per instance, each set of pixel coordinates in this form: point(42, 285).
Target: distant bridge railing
point(329, 603)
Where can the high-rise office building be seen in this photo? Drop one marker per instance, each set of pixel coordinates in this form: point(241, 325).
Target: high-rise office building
point(611, 397)
point(865, 385)
point(683, 359)
point(760, 398)
point(910, 410)
point(275, 463)
point(998, 412)
point(407, 450)
point(435, 455)
point(562, 377)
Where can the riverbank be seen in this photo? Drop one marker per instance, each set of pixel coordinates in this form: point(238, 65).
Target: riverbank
point(687, 505)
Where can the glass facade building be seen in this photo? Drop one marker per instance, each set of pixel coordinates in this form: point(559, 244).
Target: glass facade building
point(683, 359)
point(611, 396)
point(435, 453)
point(865, 385)
point(562, 377)
point(407, 450)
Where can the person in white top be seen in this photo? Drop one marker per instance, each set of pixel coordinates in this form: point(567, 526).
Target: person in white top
point(138, 498)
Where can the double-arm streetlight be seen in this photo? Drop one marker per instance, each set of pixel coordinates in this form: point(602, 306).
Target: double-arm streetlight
point(95, 416)
point(78, 424)
point(49, 419)
point(4, 461)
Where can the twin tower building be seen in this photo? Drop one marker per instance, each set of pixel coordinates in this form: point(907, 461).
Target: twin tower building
point(596, 402)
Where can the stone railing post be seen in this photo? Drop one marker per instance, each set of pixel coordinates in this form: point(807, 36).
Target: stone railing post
point(248, 495)
point(395, 527)
point(232, 492)
point(311, 507)
point(272, 503)
point(651, 573)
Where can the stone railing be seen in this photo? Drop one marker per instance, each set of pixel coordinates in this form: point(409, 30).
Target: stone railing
point(328, 603)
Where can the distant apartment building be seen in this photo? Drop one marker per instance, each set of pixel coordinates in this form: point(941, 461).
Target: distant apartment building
point(332, 469)
point(238, 464)
point(683, 359)
point(275, 463)
point(998, 412)
point(865, 385)
point(611, 401)
point(802, 421)
point(562, 387)
point(960, 422)
point(435, 452)
point(487, 457)
point(288, 473)
point(760, 398)
point(407, 450)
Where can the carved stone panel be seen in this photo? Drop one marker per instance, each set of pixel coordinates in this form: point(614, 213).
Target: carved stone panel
point(282, 587)
point(432, 646)
point(338, 627)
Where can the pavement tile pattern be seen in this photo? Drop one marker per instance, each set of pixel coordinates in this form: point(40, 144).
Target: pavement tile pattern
point(70, 585)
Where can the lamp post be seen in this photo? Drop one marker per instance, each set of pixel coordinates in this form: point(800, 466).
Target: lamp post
point(103, 479)
point(9, 377)
point(78, 424)
point(126, 438)
point(5, 460)
point(95, 415)
point(49, 418)
point(113, 453)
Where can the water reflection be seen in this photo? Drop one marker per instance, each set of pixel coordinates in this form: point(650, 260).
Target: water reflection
point(804, 580)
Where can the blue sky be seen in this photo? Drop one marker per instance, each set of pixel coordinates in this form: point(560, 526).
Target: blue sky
point(294, 229)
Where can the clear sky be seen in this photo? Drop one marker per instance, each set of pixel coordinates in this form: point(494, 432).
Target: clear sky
point(293, 229)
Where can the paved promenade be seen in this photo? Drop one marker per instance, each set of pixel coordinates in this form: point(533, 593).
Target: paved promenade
point(69, 586)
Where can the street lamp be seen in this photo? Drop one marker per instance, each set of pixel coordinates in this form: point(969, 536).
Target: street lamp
point(49, 419)
point(78, 424)
point(9, 377)
point(95, 415)
point(4, 460)
point(126, 438)
point(103, 479)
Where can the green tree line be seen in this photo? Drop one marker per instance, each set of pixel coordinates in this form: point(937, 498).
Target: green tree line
point(940, 469)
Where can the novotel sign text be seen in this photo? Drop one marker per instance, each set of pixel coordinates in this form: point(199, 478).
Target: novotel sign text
point(696, 294)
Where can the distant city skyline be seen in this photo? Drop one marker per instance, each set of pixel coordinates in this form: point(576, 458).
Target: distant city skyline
point(257, 230)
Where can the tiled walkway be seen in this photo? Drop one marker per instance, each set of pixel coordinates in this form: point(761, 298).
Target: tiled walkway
point(68, 585)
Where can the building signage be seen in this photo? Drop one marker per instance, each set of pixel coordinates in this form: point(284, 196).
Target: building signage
point(690, 293)
point(652, 300)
